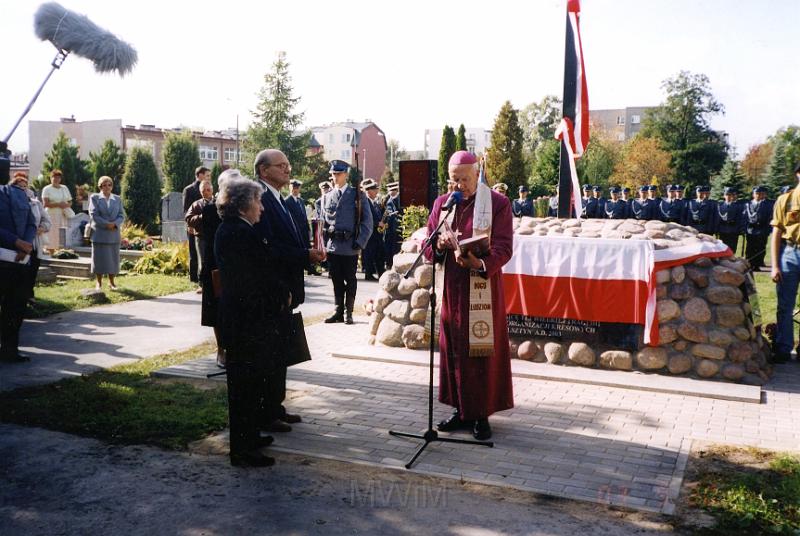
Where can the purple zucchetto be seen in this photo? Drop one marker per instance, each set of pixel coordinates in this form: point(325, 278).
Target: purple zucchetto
point(460, 158)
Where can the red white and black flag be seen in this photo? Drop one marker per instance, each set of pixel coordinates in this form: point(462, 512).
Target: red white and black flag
point(574, 129)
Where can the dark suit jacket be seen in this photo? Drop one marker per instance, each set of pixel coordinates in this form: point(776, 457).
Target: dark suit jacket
point(285, 245)
point(254, 314)
point(191, 194)
point(297, 208)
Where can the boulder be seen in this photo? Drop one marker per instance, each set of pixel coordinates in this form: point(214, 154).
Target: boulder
point(663, 276)
point(661, 291)
point(678, 274)
point(409, 246)
point(727, 276)
point(733, 372)
point(389, 280)
point(654, 233)
point(696, 310)
point(681, 346)
point(94, 296)
point(738, 264)
point(708, 351)
point(655, 225)
point(698, 276)
point(382, 299)
point(703, 262)
point(527, 350)
point(423, 275)
point(553, 352)
point(617, 360)
point(406, 286)
point(667, 310)
point(390, 333)
point(415, 337)
point(675, 234)
point(418, 316)
point(693, 332)
point(580, 353)
point(729, 316)
point(402, 262)
point(666, 334)
point(420, 298)
point(632, 228)
point(719, 337)
point(724, 295)
point(681, 291)
point(679, 363)
point(706, 368)
point(650, 358)
point(741, 333)
point(740, 352)
point(374, 322)
point(398, 311)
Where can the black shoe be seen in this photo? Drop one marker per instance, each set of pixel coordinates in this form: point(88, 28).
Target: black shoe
point(291, 419)
point(334, 318)
point(264, 441)
point(348, 317)
point(453, 423)
point(251, 459)
point(482, 430)
point(370, 277)
point(277, 426)
point(14, 358)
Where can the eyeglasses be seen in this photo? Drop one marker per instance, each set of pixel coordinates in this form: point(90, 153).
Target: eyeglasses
point(282, 165)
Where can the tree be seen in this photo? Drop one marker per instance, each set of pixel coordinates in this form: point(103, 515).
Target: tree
point(394, 154)
point(597, 164)
point(643, 161)
point(544, 177)
point(109, 162)
point(181, 157)
point(64, 156)
point(539, 121)
point(755, 163)
point(789, 137)
point(730, 176)
point(681, 123)
point(216, 171)
point(141, 188)
point(446, 150)
point(504, 161)
point(776, 175)
point(461, 138)
point(275, 124)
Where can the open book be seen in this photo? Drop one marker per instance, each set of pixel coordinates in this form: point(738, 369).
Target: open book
point(478, 245)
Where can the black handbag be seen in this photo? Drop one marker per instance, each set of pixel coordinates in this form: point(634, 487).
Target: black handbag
point(297, 350)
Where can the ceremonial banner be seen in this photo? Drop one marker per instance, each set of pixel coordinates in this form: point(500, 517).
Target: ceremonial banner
point(585, 285)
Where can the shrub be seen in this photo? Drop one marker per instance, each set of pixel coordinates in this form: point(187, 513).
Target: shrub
point(170, 259)
point(413, 218)
point(131, 231)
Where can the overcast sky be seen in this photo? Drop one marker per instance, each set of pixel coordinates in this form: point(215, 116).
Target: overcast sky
point(408, 65)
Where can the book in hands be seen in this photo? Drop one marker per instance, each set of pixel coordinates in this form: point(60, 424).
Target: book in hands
point(478, 245)
point(10, 255)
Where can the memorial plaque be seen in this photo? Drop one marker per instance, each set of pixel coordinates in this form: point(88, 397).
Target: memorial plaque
point(625, 336)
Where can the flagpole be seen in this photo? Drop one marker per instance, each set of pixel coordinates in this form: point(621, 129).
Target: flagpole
point(568, 111)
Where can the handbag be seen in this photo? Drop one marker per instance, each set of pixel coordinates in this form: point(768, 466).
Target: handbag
point(297, 349)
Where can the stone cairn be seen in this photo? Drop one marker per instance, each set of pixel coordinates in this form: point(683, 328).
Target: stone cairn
point(705, 329)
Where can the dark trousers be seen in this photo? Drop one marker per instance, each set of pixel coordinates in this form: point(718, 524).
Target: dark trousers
point(14, 288)
point(192, 259)
point(245, 393)
point(755, 250)
point(730, 240)
point(372, 256)
point(274, 395)
point(343, 274)
point(391, 247)
point(33, 271)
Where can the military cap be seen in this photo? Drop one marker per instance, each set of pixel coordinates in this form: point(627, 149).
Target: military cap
point(339, 166)
point(393, 186)
point(702, 189)
point(672, 188)
point(652, 188)
point(644, 188)
point(626, 190)
point(615, 189)
point(759, 189)
point(586, 187)
point(295, 182)
point(597, 188)
point(523, 188)
point(728, 190)
point(680, 187)
point(368, 184)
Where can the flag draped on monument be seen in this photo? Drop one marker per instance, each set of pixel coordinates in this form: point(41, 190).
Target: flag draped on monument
point(574, 128)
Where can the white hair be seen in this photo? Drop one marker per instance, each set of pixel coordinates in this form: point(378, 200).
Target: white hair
point(227, 175)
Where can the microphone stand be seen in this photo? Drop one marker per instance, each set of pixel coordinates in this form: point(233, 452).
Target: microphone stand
point(431, 434)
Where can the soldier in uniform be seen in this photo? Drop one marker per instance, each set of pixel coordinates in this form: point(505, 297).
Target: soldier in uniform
point(671, 209)
point(595, 205)
point(626, 195)
point(757, 215)
point(615, 208)
point(639, 208)
point(701, 213)
point(348, 226)
point(653, 200)
point(391, 234)
point(522, 206)
point(679, 193)
point(372, 255)
point(730, 224)
point(587, 195)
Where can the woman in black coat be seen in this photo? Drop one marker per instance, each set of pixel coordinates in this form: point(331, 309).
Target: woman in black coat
point(254, 316)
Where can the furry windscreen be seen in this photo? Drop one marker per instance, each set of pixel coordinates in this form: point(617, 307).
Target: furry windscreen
point(75, 33)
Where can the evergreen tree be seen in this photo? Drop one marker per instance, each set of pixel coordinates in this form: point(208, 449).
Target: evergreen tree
point(216, 170)
point(64, 156)
point(776, 175)
point(446, 150)
point(141, 188)
point(180, 158)
point(681, 122)
point(275, 124)
point(461, 138)
point(544, 179)
point(504, 160)
point(109, 162)
point(730, 176)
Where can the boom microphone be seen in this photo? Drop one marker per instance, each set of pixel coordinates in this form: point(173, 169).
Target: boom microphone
point(70, 32)
point(453, 200)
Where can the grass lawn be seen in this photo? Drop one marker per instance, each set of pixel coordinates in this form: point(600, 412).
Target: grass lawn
point(749, 492)
point(124, 404)
point(66, 295)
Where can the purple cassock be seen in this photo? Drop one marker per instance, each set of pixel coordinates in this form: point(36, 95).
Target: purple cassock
point(477, 386)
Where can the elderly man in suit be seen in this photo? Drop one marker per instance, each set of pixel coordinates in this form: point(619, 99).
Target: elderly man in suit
point(286, 242)
point(191, 194)
point(17, 232)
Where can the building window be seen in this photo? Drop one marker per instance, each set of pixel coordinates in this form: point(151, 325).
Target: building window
point(636, 119)
point(346, 155)
point(230, 154)
point(345, 138)
point(208, 152)
point(620, 119)
point(145, 144)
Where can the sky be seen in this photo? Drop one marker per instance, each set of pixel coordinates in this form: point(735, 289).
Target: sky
point(408, 65)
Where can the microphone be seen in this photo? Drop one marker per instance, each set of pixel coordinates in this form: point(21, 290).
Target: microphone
point(452, 201)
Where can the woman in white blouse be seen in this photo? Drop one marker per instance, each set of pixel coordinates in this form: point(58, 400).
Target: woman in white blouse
point(58, 202)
